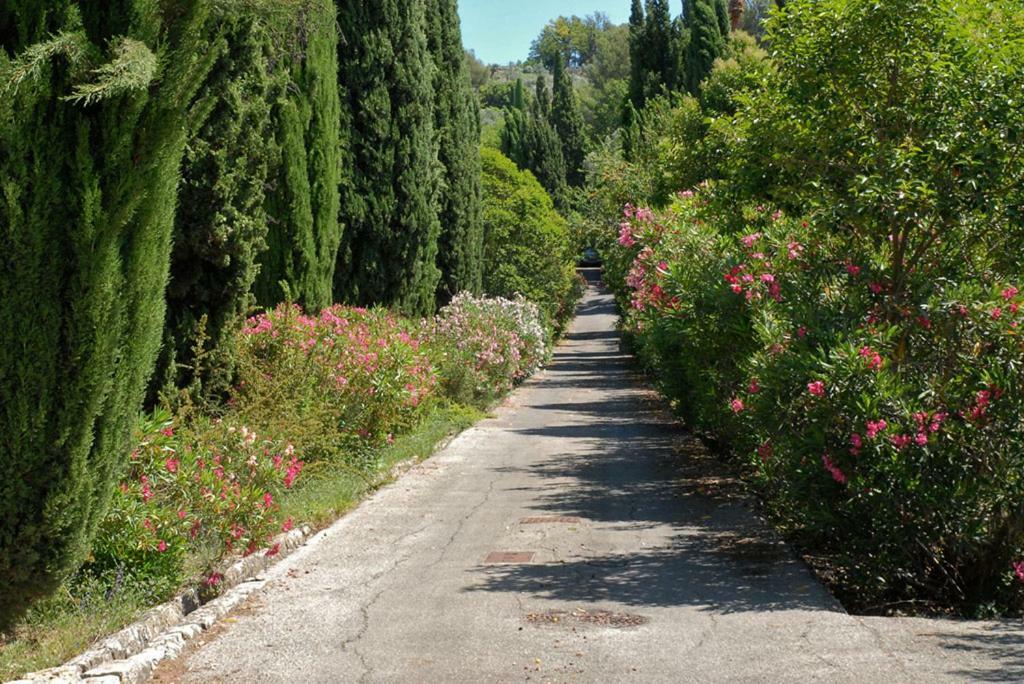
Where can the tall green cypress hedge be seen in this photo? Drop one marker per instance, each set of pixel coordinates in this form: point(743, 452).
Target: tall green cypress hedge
point(86, 216)
point(707, 23)
point(529, 139)
point(221, 224)
point(568, 123)
point(457, 121)
point(389, 195)
point(302, 194)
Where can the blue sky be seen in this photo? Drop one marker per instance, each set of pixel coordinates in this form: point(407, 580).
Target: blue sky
point(500, 31)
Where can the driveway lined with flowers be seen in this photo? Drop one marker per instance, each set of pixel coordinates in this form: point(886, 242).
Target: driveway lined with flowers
point(577, 535)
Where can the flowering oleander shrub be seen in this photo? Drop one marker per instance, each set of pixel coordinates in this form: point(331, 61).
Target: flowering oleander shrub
point(885, 428)
point(483, 346)
point(333, 382)
point(192, 495)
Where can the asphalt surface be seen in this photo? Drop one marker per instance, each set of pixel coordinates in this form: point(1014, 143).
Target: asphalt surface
point(632, 558)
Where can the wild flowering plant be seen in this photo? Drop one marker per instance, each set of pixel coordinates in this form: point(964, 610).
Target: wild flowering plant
point(483, 346)
point(194, 494)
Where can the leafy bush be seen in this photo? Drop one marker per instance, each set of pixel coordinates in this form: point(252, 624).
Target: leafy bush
point(192, 494)
point(527, 244)
point(894, 445)
point(482, 346)
point(332, 382)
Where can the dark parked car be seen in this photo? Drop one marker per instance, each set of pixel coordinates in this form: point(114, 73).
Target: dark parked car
point(590, 257)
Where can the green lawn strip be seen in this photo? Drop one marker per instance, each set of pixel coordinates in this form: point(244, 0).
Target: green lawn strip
point(67, 624)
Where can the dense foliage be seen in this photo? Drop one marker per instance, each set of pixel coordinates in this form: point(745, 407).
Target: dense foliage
point(527, 248)
point(529, 139)
point(303, 195)
point(389, 200)
point(840, 304)
point(457, 122)
point(221, 224)
point(92, 132)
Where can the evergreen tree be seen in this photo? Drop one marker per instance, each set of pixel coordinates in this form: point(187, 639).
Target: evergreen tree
point(568, 123)
point(389, 196)
point(638, 56)
point(220, 227)
point(529, 140)
point(659, 42)
point(457, 122)
point(92, 133)
point(707, 24)
point(303, 194)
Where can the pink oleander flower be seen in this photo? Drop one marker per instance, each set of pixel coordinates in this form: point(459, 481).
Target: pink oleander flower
point(901, 442)
point(853, 269)
point(736, 405)
point(876, 288)
point(749, 240)
point(172, 465)
point(874, 427)
point(288, 525)
point(1010, 292)
point(161, 546)
point(213, 579)
point(167, 432)
point(816, 388)
point(921, 439)
point(856, 442)
point(793, 250)
point(754, 387)
point(996, 314)
point(1018, 570)
point(644, 215)
point(837, 474)
point(801, 332)
point(626, 236)
point(765, 451)
point(767, 278)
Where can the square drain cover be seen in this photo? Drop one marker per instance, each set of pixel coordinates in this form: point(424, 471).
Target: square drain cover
point(509, 557)
point(551, 519)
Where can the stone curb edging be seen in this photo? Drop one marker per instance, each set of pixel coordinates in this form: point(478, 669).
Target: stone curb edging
point(130, 655)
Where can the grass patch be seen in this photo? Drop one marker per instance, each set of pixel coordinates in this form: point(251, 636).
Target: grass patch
point(68, 623)
point(332, 489)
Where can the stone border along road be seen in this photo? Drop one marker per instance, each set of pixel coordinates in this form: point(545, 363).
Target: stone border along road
point(578, 535)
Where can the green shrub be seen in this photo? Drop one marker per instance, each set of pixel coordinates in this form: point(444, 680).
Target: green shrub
point(483, 346)
point(336, 383)
point(527, 246)
point(193, 494)
point(893, 446)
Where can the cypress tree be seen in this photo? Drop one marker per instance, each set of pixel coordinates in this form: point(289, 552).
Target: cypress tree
point(659, 42)
point(457, 122)
point(303, 192)
point(707, 23)
point(221, 225)
point(389, 197)
point(530, 140)
point(568, 123)
point(638, 57)
point(85, 231)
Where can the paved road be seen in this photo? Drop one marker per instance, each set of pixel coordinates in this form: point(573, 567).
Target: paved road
point(630, 558)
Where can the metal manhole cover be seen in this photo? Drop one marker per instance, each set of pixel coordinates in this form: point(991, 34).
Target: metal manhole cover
point(601, 618)
point(497, 557)
point(551, 519)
